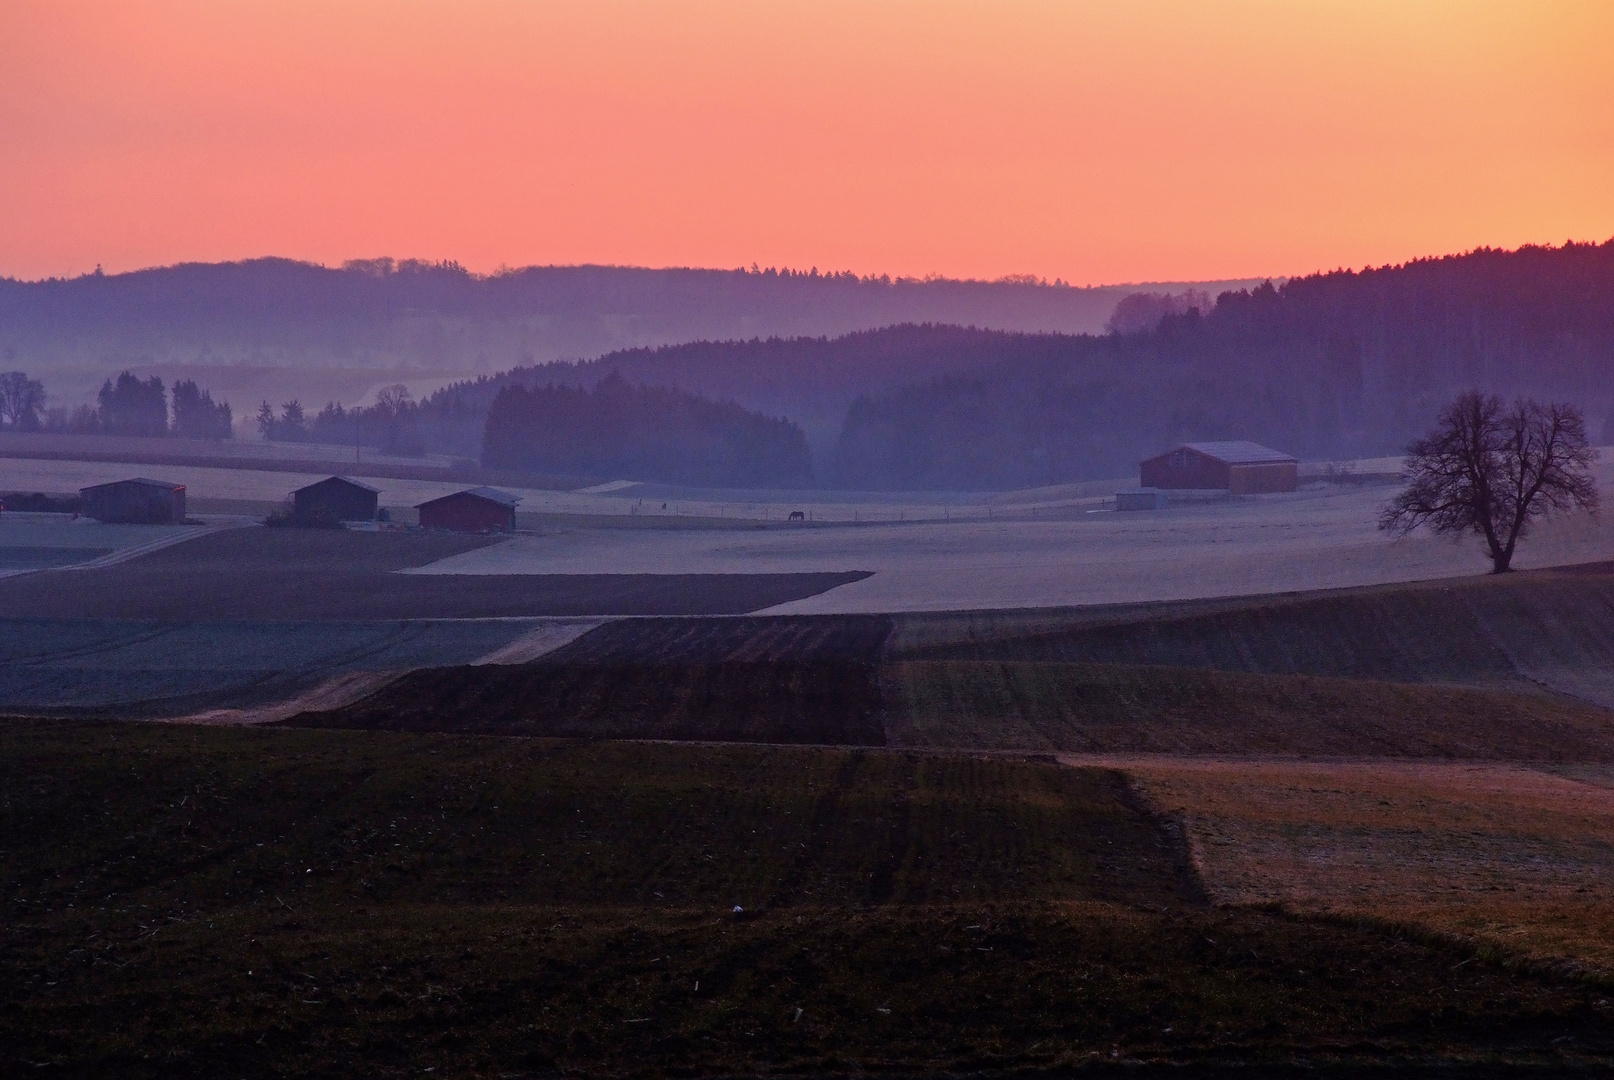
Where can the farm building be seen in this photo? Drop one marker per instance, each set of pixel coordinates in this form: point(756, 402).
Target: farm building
point(139, 501)
point(1243, 468)
point(335, 499)
point(1141, 499)
point(481, 509)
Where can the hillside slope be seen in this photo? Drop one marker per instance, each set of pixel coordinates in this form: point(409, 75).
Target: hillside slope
point(1545, 630)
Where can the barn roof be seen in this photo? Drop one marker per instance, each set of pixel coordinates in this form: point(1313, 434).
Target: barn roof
point(1240, 452)
point(494, 495)
point(144, 481)
point(339, 480)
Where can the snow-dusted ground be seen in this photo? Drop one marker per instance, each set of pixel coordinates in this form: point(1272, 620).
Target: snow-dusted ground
point(933, 552)
point(618, 498)
point(40, 541)
point(166, 669)
point(1312, 539)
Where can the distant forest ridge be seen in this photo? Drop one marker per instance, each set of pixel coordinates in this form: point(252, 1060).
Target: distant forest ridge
point(1332, 365)
point(438, 316)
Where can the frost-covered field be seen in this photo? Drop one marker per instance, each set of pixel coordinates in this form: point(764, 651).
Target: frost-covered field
point(1312, 539)
point(40, 541)
point(169, 668)
point(620, 498)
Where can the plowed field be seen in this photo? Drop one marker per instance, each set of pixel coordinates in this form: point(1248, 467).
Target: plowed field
point(1121, 708)
point(196, 902)
point(271, 574)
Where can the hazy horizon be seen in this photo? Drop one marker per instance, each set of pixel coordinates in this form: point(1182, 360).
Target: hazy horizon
point(1087, 142)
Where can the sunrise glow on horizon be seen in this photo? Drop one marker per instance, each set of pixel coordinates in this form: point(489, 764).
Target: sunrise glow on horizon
point(1093, 142)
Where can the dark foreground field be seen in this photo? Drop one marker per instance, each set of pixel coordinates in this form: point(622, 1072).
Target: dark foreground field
point(270, 574)
point(227, 902)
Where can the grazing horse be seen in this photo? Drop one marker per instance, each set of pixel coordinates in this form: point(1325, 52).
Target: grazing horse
point(797, 515)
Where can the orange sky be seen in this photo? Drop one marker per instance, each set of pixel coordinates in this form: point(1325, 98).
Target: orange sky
point(1099, 142)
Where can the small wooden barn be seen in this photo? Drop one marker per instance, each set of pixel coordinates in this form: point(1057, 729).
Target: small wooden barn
point(335, 499)
point(1243, 468)
point(481, 509)
point(140, 501)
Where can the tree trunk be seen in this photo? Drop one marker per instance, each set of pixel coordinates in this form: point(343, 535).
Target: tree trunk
point(1501, 561)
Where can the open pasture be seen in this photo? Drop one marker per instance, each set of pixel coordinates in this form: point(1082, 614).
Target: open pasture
point(201, 901)
point(243, 477)
point(1322, 538)
point(925, 553)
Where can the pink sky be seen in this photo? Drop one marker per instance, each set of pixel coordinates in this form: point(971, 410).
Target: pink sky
point(1096, 142)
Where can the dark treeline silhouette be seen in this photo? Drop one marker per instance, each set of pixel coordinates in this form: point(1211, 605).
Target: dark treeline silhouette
point(198, 416)
point(127, 405)
point(395, 424)
point(1341, 364)
point(1145, 310)
point(811, 380)
point(22, 400)
point(619, 430)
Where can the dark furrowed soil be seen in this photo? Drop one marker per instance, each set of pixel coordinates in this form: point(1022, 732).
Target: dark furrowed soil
point(104, 809)
point(794, 638)
point(1492, 630)
point(204, 902)
point(784, 679)
point(812, 679)
point(830, 702)
point(269, 574)
point(1100, 708)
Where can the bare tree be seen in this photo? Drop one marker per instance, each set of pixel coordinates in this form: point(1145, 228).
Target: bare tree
point(1492, 470)
point(21, 398)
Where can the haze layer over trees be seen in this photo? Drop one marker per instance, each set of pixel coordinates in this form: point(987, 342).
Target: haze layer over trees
point(1335, 365)
point(438, 316)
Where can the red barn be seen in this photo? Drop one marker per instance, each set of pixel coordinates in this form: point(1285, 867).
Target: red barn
point(1243, 468)
point(482, 509)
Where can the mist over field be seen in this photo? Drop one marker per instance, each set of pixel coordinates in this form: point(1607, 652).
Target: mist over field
point(276, 328)
point(939, 385)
